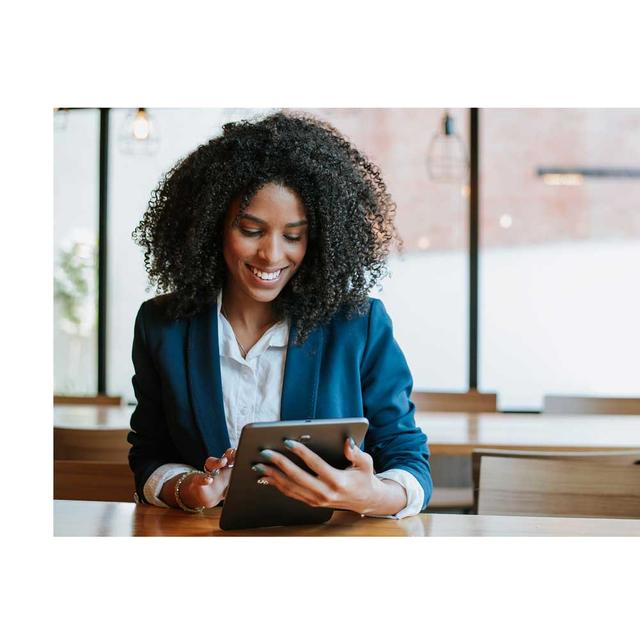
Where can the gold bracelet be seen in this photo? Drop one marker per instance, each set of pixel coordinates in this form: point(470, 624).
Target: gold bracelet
point(176, 492)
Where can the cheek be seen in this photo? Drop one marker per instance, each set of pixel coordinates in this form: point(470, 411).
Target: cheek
point(234, 249)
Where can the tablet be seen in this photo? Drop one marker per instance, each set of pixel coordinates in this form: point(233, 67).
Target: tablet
point(249, 504)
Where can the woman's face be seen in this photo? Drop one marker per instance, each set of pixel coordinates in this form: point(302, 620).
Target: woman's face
point(264, 245)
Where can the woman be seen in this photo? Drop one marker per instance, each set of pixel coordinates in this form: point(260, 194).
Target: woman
point(269, 238)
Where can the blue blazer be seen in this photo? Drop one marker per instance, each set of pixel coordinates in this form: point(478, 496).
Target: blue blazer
point(348, 368)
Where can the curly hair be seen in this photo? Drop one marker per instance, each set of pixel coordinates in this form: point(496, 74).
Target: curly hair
point(350, 216)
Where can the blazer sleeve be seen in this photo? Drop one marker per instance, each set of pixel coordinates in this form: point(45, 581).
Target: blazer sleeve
point(151, 445)
point(393, 439)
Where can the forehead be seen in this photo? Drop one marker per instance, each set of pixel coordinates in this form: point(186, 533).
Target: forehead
point(272, 204)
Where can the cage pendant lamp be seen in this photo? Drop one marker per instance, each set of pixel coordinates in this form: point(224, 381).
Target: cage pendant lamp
point(139, 133)
point(447, 159)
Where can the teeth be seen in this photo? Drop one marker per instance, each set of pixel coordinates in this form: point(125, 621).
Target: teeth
point(266, 276)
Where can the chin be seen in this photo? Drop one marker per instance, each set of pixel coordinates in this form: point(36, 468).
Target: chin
point(264, 296)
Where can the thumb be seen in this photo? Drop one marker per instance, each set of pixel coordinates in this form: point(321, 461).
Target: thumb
point(353, 454)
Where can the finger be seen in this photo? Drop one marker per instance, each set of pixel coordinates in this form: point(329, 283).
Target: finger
point(230, 455)
point(294, 472)
point(212, 464)
point(275, 478)
point(310, 458)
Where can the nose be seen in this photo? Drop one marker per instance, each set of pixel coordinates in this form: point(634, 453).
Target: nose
point(270, 250)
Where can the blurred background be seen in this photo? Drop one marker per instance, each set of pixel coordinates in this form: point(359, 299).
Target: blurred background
point(558, 242)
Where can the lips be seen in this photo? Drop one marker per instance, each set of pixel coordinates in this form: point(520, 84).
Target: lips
point(263, 276)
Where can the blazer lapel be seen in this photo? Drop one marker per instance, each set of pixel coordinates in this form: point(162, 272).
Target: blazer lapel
point(205, 383)
point(301, 376)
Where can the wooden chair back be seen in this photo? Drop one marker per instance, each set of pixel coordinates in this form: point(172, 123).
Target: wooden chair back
point(591, 405)
point(100, 400)
point(102, 445)
point(595, 486)
point(468, 402)
point(626, 457)
point(83, 480)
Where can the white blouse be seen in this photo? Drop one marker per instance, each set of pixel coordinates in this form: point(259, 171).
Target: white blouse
point(251, 391)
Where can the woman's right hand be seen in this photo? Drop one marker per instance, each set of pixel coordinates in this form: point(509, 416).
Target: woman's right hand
point(208, 490)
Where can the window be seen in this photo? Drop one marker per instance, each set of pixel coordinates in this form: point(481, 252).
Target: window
point(76, 135)
point(560, 256)
point(426, 295)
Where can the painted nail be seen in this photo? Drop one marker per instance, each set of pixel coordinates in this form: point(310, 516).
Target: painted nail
point(352, 443)
point(290, 444)
point(267, 453)
point(258, 468)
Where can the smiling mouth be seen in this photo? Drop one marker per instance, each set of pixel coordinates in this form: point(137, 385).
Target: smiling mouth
point(266, 276)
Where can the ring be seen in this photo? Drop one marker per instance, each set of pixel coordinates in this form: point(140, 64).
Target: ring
point(263, 481)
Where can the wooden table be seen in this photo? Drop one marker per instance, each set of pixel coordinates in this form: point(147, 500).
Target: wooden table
point(79, 518)
point(91, 417)
point(461, 433)
point(450, 433)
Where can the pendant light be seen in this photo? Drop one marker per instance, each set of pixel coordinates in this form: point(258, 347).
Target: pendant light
point(139, 133)
point(447, 159)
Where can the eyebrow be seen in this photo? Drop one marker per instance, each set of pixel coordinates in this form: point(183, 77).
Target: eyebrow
point(248, 216)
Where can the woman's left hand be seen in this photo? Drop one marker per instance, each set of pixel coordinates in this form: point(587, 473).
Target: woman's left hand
point(355, 488)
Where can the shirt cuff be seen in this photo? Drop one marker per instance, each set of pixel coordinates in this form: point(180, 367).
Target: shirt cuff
point(153, 485)
point(413, 489)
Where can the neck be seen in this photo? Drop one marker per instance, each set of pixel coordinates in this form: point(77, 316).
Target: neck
point(245, 313)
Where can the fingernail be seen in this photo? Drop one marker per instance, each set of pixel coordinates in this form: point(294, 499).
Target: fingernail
point(290, 444)
point(267, 453)
point(223, 461)
point(352, 443)
point(258, 468)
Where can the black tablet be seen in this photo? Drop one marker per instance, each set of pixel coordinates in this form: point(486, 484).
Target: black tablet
point(249, 504)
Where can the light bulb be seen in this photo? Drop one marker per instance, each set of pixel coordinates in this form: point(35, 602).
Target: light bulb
point(141, 125)
point(139, 133)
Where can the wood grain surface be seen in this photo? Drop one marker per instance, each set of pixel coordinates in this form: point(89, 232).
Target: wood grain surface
point(79, 518)
point(451, 433)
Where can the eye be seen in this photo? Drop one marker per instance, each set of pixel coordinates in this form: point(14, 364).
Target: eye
point(250, 233)
point(293, 238)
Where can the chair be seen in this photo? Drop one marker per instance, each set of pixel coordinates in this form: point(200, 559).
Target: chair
point(593, 405)
point(99, 400)
point(468, 402)
point(597, 484)
point(451, 499)
point(83, 480)
point(452, 474)
point(101, 445)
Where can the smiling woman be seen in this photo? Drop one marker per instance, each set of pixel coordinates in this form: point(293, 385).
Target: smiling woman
point(263, 249)
point(265, 242)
